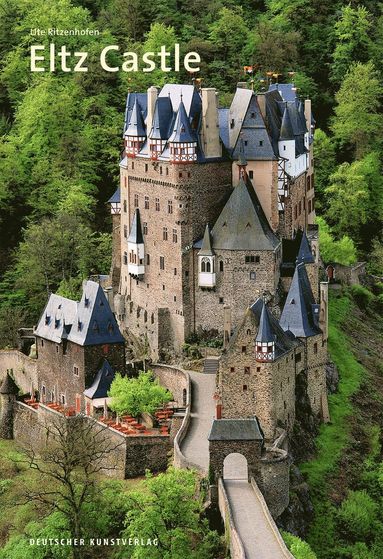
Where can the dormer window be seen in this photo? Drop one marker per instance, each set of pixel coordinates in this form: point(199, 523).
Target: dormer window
point(110, 328)
point(57, 322)
point(79, 325)
point(95, 327)
point(47, 319)
point(86, 301)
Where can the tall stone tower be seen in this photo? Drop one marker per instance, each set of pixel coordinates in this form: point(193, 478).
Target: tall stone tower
point(174, 180)
point(8, 393)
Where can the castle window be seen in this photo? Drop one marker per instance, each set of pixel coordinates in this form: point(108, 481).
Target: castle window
point(252, 275)
point(175, 299)
point(157, 204)
point(125, 206)
point(170, 207)
point(248, 332)
point(221, 300)
point(125, 231)
point(232, 123)
point(260, 143)
point(146, 167)
point(146, 202)
point(163, 287)
point(251, 175)
point(247, 370)
point(148, 259)
point(145, 316)
point(165, 233)
point(244, 387)
point(188, 174)
point(160, 170)
point(162, 263)
point(43, 390)
point(132, 164)
point(175, 236)
point(309, 206)
point(252, 115)
point(221, 265)
point(186, 274)
point(175, 271)
point(125, 257)
point(284, 147)
point(125, 182)
point(180, 173)
point(206, 265)
point(167, 170)
point(152, 319)
point(232, 369)
point(42, 343)
point(258, 369)
point(243, 349)
point(136, 200)
point(75, 370)
point(62, 399)
point(298, 357)
point(57, 348)
point(245, 142)
point(315, 347)
point(284, 405)
point(145, 228)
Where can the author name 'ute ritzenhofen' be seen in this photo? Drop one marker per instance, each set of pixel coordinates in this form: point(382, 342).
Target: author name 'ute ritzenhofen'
point(50, 59)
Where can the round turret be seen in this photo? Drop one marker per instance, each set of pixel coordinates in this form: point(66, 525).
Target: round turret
point(8, 393)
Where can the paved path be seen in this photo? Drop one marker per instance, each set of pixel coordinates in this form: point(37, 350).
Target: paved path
point(254, 529)
point(195, 446)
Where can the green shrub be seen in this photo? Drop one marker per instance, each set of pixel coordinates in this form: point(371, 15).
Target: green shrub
point(299, 548)
point(361, 295)
point(357, 515)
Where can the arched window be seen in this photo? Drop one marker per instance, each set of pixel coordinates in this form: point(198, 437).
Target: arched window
point(221, 265)
point(208, 266)
point(203, 266)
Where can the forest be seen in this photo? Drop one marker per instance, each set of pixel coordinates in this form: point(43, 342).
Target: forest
point(60, 143)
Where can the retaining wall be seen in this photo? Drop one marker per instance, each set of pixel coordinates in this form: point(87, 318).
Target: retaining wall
point(22, 368)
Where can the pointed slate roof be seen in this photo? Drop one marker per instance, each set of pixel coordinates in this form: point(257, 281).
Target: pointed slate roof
point(242, 224)
point(269, 328)
point(116, 197)
point(304, 253)
point(182, 131)
point(206, 249)
point(8, 386)
point(135, 235)
point(265, 331)
point(136, 126)
point(95, 322)
point(287, 132)
point(102, 382)
point(300, 313)
point(58, 316)
point(162, 119)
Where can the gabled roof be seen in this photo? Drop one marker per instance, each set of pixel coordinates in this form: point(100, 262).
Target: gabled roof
point(88, 322)
point(300, 313)
point(136, 126)
point(102, 382)
point(206, 249)
point(58, 316)
point(236, 430)
point(270, 329)
point(286, 90)
point(116, 197)
point(265, 329)
point(95, 323)
point(286, 132)
point(304, 253)
point(8, 386)
point(162, 119)
point(242, 224)
point(182, 131)
point(135, 234)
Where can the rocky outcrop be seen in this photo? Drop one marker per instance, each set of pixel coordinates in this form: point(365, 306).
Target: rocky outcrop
point(332, 377)
point(297, 516)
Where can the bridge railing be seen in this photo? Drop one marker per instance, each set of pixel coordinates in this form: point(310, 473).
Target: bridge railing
point(286, 553)
point(237, 550)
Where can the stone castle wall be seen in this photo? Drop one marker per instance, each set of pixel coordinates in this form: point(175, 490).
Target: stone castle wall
point(21, 367)
point(295, 214)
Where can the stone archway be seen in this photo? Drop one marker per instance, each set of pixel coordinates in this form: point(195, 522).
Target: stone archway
point(235, 467)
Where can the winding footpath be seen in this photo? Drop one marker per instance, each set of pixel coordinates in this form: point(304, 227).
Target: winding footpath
point(259, 536)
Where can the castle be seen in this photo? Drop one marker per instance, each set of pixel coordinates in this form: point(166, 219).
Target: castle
point(213, 233)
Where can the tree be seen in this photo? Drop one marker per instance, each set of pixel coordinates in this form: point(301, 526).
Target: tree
point(357, 515)
point(299, 548)
point(357, 121)
point(11, 319)
point(275, 46)
point(353, 42)
point(325, 162)
point(137, 395)
point(342, 251)
point(169, 510)
point(77, 451)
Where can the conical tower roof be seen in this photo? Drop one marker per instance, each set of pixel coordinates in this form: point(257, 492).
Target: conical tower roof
point(136, 126)
point(182, 131)
point(135, 235)
point(298, 312)
point(304, 253)
point(265, 331)
point(206, 248)
point(287, 131)
point(8, 386)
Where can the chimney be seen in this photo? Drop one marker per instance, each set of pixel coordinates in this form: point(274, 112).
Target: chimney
point(210, 141)
point(152, 98)
point(323, 313)
point(261, 100)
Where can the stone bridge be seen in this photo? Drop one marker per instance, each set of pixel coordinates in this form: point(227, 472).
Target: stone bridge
point(248, 520)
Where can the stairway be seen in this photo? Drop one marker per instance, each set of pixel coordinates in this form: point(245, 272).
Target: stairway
point(210, 365)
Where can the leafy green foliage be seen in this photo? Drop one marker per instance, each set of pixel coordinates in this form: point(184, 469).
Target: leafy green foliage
point(361, 295)
point(341, 251)
point(358, 515)
point(169, 510)
point(137, 395)
point(299, 548)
